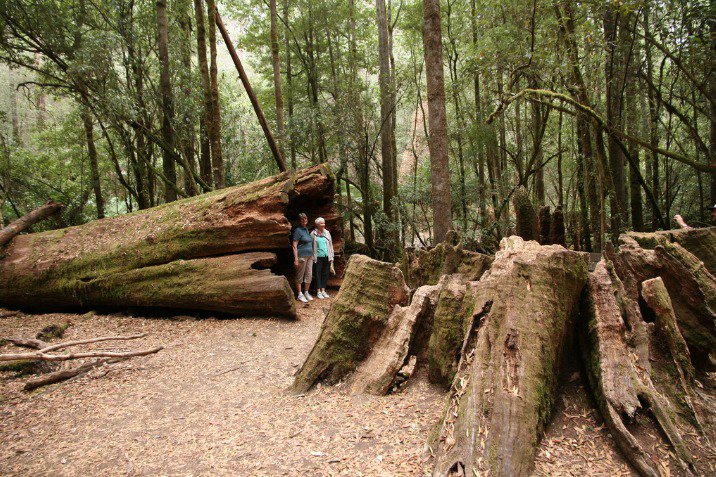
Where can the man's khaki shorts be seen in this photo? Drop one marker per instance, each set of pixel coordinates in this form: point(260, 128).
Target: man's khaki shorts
point(304, 271)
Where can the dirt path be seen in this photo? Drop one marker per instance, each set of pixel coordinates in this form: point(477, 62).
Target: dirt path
point(213, 403)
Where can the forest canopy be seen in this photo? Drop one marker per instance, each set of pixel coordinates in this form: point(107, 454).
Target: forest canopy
point(604, 109)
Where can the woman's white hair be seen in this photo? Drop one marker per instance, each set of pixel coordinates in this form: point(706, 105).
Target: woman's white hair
point(320, 220)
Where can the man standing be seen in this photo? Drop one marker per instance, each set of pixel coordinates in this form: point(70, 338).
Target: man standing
point(303, 258)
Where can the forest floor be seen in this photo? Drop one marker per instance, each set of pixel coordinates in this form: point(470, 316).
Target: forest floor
point(213, 402)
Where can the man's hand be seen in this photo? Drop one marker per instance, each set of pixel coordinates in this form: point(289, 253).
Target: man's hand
point(680, 222)
point(295, 262)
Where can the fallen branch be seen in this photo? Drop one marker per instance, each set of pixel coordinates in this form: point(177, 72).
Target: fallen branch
point(27, 220)
point(43, 349)
point(65, 374)
point(90, 354)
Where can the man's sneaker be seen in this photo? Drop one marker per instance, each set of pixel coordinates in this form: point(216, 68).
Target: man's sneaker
point(302, 298)
point(326, 295)
point(307, 296)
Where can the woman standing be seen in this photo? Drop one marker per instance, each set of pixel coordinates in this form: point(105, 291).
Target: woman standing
point(303, 253)
point(322, 255)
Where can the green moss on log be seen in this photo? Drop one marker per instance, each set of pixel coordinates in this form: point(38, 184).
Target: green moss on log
point(448, 330)
point(354, 322)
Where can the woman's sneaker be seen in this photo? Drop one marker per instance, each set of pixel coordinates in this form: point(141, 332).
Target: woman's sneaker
point(302, 298)
point(307, 296)
point(326, 295)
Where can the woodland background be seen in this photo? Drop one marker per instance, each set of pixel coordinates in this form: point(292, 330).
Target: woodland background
point(607, 109)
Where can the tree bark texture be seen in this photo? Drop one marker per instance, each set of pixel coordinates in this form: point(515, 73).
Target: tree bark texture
point(505, 386)
point(355, 322)
point(437, 120)
point(640, 373)
point(691, 286)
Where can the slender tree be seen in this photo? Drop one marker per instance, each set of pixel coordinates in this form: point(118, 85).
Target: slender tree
point(276, 63)
point(165, 87)
point(437, 119)
point(217, 156)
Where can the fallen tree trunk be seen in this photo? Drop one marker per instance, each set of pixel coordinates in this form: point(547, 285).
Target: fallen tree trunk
point(197, 253)
point(355, 322)
point(27, 220)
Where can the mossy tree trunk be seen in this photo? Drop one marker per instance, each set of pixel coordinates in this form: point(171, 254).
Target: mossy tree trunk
point(357, 319)
point(197, 253)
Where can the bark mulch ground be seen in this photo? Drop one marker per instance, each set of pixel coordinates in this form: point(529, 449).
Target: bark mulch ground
point(213, 402)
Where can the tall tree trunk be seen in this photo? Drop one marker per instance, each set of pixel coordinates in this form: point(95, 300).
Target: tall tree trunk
point(15, 117)
point(276, 62)
point(94, 166)
point(186, 138)
point(217, 156)
point(205, 123)
point(386, 121)
point(165, 88)
point(653, 121)
point(480, 150)
point(632, 128)
point(712, 101)
point(289, 88)
point(614, 85)
point(437, 118)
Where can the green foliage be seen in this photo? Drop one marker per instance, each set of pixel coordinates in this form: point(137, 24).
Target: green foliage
point(103, 54)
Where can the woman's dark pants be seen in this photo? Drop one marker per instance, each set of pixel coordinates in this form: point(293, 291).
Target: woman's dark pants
point(322, 268)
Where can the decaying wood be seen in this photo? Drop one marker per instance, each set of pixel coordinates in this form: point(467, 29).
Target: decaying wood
point(627, 371)
point(450, 320)
point(544, 220)
point(701, 242)
point(357, 318)
point(26, 221)
point(525, 215)
point(690, 285)
point(556, 232)
point(426, 266)
point(377, 373)
point(208, 252)
point(504, 389)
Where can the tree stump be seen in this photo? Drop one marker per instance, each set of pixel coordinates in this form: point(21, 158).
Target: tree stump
point(358, 317)
point(526, 218)
point(640, 374)
point(691, 287)
point(504, 389)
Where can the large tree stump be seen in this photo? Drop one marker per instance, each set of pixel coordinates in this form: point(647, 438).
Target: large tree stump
point(377, 373)
point(167, 256)
point(355, 322)
point(426, 266)
point(640, 374)
point(691, 286)
point(700, 242)
point(504, 389)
